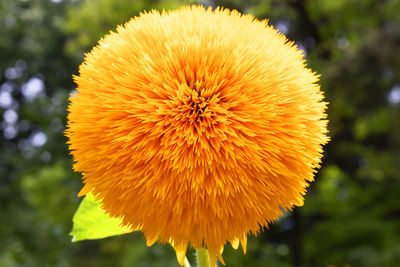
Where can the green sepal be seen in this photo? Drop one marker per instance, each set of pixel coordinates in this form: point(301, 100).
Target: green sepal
point(91, 222)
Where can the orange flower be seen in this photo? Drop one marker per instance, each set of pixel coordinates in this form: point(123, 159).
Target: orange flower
point(196, 126)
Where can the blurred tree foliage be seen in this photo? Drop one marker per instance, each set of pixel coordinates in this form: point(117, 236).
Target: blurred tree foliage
point(351, 215)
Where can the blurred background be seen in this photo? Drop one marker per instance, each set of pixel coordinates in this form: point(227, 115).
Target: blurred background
point(351, 215)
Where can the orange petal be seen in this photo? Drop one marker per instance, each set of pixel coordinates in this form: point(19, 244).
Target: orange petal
point(180, 254)
point(150, 241)
point(220, 259)
point(244, 244)
point(85, 190)
point(213, 258)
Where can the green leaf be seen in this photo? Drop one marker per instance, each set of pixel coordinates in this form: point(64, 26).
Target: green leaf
point(91, 222)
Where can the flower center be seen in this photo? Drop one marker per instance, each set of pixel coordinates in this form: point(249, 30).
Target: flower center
point(195, 107)
point(194, 114)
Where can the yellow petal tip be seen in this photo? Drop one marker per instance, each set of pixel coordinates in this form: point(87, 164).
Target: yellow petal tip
point(180, 254)
point(235, 243)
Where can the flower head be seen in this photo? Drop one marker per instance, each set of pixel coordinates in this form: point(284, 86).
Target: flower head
point(196, 126)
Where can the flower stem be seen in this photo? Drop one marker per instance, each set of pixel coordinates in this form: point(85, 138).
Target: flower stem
point(203, 258)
